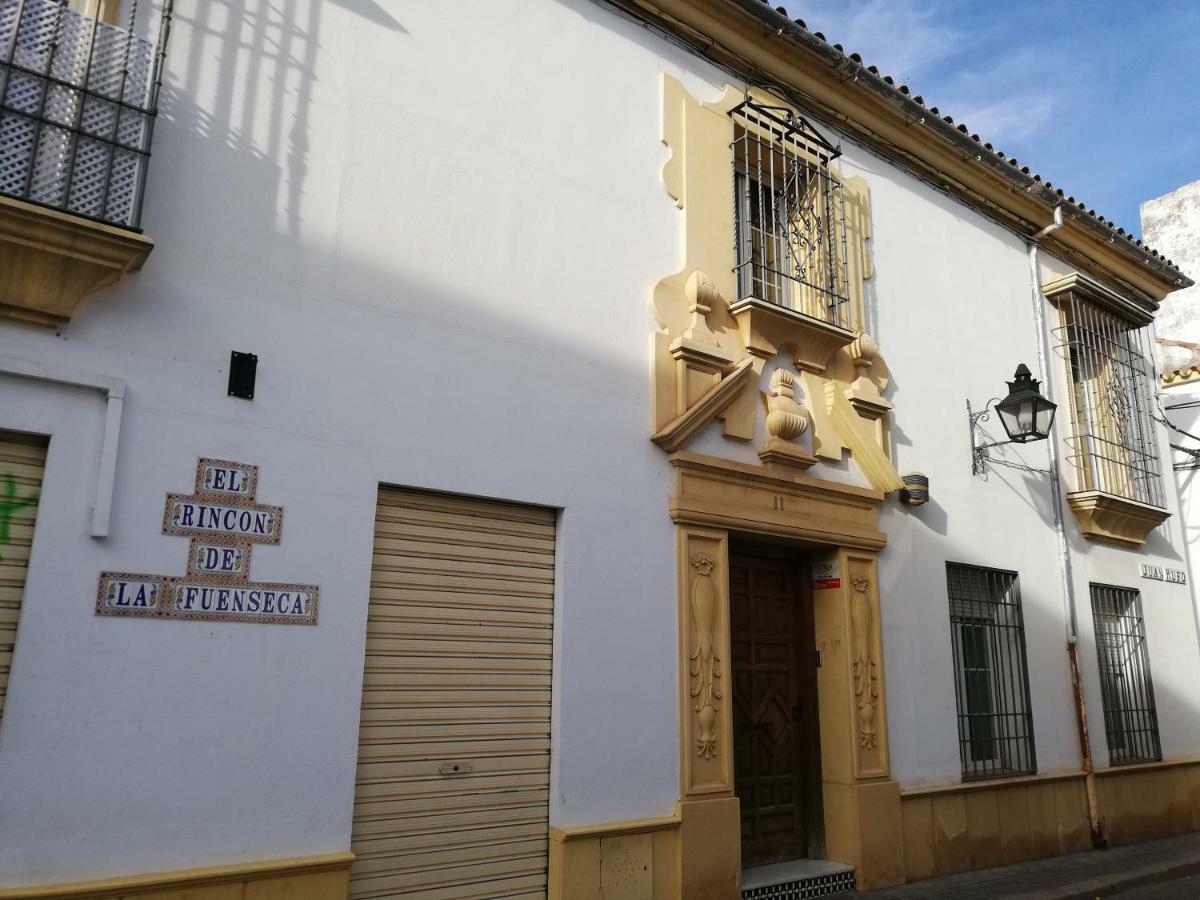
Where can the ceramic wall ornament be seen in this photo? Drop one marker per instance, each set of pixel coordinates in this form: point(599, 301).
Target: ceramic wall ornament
point(916, 489)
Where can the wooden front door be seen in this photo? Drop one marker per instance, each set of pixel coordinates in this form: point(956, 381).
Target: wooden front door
point(776, 740)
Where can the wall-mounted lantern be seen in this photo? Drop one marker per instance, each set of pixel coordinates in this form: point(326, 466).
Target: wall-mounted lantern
point(1025, 414)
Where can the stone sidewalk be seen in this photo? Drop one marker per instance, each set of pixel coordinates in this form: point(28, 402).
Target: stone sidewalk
point(1079, 876)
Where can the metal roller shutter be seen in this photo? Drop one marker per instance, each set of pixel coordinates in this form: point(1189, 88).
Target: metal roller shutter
point(453, 775)
point(22, 461)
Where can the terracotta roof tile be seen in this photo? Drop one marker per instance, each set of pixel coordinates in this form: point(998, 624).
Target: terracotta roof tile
point(902, 92)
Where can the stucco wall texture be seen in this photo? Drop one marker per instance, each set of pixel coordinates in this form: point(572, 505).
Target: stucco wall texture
point(1171, 225)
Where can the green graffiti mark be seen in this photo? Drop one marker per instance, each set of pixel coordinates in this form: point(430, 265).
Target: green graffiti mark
point(10, 503)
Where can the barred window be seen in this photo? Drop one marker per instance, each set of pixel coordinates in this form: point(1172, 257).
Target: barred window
point(1130, 716)
point(790, 215)
point(1114, 446)
point(991, 685)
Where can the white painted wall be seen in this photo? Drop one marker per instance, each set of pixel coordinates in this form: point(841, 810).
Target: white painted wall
point(1171, 225)
point(1182, 407)
point(441, 249)
point(438, 228)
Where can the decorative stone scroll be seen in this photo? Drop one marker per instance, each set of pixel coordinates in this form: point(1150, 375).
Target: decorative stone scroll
point(224, 521)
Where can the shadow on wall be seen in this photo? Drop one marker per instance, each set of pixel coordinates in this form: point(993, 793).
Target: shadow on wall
point(258, 106)
point(274, 49)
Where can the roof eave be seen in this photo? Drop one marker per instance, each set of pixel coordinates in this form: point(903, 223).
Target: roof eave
point(813, 45)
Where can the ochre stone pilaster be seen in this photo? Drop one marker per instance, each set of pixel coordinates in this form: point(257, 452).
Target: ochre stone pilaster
point(706, 728)
point(862, 803)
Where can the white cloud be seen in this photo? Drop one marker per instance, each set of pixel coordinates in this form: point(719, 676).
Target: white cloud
point(902, 37)
point(1011, 119)
point(915, 41)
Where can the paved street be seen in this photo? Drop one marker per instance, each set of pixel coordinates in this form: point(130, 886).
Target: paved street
point(1185, 888)
point(1167, 869)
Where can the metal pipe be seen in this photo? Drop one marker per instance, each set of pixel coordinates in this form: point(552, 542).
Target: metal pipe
point(113, 390)
point(1066, 576)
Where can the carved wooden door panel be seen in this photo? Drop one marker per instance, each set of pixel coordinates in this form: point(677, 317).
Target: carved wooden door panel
point(776, 760)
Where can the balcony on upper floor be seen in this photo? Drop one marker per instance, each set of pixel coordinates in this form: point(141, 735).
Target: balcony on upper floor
point(792, 252)
point(79, 86)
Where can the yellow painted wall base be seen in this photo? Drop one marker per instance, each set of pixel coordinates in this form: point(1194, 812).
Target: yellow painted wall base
point(861, 824)
point(1150, 801)
point(710, 849)
point(695, 854)
point(974, 826)
point(627, 861)
point(322, 877)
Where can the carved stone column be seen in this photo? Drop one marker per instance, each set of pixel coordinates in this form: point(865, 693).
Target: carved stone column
point(710, 836)
point(862, 803)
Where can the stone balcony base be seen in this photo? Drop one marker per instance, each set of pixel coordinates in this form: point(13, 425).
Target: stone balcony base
point(50, 260)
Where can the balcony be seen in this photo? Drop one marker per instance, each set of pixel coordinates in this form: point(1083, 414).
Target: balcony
point(790, 219)
point(1119, 493)
point(78, 98)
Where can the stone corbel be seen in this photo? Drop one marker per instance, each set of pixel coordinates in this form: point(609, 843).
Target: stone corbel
point(694, 369)
point(700, 360)
point(769, 329)
point(866, 390)
point(863, 444)
point(712, 403)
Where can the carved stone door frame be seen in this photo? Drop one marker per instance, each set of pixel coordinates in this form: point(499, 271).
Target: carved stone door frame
point(714, 497)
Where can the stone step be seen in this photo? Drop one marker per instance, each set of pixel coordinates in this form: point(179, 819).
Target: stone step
point(797, 879)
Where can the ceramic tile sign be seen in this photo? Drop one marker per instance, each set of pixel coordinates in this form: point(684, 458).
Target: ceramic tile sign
point(223, 520)
point(1161, 573)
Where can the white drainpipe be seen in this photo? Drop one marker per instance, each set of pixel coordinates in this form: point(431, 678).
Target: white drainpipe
point(1066, 578)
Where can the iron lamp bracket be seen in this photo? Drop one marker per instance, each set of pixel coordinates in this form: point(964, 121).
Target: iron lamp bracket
point(980, 458)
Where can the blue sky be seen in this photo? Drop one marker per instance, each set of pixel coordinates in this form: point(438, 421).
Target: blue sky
point(1101, 97)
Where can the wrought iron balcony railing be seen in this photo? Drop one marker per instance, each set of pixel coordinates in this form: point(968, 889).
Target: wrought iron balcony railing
point(78, 98)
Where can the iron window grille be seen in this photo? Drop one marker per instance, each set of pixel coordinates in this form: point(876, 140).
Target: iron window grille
point(1130, 715)
point(78, 99)
point(991, 683)
point(1113, 445)
point(790, 215)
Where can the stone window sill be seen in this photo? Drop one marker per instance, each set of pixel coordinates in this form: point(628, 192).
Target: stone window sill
point(1112, 518)
point(769, 328)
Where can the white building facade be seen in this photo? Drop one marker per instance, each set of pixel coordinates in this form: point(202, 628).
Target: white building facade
point(1172, 223)
point(480, 479)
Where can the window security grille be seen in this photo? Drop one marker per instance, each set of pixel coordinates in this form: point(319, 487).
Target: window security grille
point(790, 215)
point(995, 725)
point(78, 98)
point(1130, 716)
point(1114, 446)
